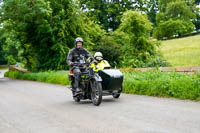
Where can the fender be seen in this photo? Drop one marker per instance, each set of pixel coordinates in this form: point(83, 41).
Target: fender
point(97, 78)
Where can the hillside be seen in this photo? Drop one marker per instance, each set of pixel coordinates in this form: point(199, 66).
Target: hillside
point(183, 51)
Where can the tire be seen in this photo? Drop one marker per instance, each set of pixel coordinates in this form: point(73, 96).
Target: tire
point(96, 93)
point(117, 95)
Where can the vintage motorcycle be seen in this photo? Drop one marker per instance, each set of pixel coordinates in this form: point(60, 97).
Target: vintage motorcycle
point(95, 84)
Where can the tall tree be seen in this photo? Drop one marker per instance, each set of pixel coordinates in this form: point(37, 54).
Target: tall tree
point(107, 12)
point(3, 60)
point(152, 9)
point(46, 30)
point(174, 18)
point(197, 2)
point(197, 21)
point(138, 49)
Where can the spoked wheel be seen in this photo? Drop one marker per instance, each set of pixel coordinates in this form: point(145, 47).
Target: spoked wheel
point(96, 93)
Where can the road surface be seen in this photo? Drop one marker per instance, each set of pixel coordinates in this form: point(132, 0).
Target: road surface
point(2, 73)
point(33, 107)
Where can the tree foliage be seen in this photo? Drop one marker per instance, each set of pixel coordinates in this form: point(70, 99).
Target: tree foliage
point(46, 30)
point(105, 12)
point(110, 49)
point(39, 33)
point(3, 60)
point(174, 18)
point(108, 13)
point(130, 45)
point(197, 12)
point(138, 49)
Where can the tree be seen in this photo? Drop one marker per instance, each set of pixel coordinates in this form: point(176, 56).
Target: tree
point(3, 60)
point(197, 2)
point(197, 20)
point(110, 49)
point(108, 13)
point(138, 49)
point(175, 15)
point(105, 12)
point(12, 48)
point(46, 30)
point(152, 7)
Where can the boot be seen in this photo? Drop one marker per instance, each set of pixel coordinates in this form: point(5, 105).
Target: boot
point(77, 92)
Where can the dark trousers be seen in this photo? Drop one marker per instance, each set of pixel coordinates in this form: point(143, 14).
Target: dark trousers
point(77, 73)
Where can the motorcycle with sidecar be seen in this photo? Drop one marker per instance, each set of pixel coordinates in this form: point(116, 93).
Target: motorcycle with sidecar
point(95, 84)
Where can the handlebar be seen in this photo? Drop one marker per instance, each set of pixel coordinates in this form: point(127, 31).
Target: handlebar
point(77, 64)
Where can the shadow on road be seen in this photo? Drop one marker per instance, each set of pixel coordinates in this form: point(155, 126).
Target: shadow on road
point(105, 101)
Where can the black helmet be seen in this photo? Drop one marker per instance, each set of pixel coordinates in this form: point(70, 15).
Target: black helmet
point(78, 39)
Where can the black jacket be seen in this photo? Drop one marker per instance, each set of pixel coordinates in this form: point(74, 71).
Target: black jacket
point(75, 54)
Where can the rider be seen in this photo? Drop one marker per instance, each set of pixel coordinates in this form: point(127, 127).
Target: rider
point(99, 63)
point(74, 56)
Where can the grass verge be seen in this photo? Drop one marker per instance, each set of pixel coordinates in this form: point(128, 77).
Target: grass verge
point(47, 77)
point(163, 84)
point(1, 68)
point(153, 83)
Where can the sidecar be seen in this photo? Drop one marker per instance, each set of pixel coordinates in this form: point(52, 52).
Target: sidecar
point(112, 80)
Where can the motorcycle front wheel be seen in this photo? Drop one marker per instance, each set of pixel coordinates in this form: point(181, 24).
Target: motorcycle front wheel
point(96, 93)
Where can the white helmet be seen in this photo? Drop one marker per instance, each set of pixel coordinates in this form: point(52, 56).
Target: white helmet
point(98, 54)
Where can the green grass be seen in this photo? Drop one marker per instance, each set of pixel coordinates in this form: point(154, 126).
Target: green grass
point(183, 51)
point(47, 77)
point(3, 68)
point(153, 83)
point(163, 84)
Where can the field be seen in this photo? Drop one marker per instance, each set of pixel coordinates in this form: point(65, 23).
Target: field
point(183, 51)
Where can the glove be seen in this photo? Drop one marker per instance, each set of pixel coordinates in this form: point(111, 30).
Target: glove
point(71, 64)
point(90, 59)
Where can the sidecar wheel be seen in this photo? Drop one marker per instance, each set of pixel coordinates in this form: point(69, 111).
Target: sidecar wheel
point(116, 95)
point(96, 94)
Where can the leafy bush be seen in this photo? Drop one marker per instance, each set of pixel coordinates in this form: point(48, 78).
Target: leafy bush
point(110, 50)
point(138, 50)
point(42, 33)
point(163, 84)
point(172, 27)
point(174, 19)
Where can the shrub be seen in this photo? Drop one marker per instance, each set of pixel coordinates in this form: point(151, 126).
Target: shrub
point(163, 84)
point(138, 49)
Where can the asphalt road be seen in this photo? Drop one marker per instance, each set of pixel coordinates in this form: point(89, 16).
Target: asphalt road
point(33, 107)
point(2, 73)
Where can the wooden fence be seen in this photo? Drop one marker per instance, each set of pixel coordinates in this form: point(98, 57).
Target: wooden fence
point(4, 66)
point(188, 69)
